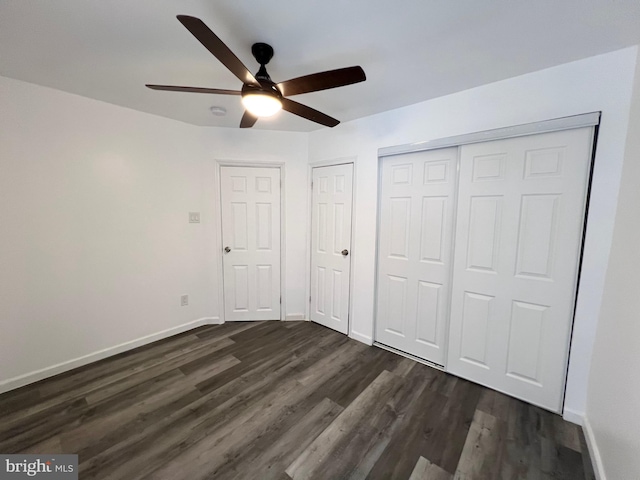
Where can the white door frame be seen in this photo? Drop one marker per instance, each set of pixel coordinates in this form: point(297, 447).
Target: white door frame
point(591, 119)
point(352, 251)
point(218, 213)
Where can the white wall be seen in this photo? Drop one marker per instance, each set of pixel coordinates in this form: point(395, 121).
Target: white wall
point(96, 247)
point(613, 404)
point(597, 83)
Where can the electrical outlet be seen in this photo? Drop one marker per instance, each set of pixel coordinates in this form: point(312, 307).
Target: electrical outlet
point(184, 300)
point(194, 217)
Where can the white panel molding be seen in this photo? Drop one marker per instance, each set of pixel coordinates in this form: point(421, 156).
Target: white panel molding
point(293, 317)
point(554, 125)
point(37, 375)
point(594, 452)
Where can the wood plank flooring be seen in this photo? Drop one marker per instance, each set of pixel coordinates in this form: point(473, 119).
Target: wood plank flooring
point(283, 400)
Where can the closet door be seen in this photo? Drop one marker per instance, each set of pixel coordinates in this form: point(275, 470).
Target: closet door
point(519, 228)
point(414, 251)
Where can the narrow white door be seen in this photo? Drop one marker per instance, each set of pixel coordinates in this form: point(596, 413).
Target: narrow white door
point(518, 239)
point(331, 246)
point(414, 252)
point(250, 200)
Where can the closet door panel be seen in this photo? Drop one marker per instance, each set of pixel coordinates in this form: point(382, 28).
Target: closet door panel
point(414, 252)
point(520, 216)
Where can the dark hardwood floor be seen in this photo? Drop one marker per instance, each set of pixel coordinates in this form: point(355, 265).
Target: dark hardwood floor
point(276, 400)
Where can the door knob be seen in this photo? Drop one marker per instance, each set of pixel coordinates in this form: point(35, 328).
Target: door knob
point(227, 249)
point(345, 252)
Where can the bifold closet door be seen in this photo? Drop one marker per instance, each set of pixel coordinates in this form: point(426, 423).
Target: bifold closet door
point(414, 252)
point(520, 217)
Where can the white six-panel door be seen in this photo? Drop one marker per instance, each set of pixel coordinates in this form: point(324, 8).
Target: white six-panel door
point(414, 252)
point(331, 246)
point(250, 200)
point(518, 237)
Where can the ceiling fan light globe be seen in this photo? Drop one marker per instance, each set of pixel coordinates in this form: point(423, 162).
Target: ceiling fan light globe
point(260, 105)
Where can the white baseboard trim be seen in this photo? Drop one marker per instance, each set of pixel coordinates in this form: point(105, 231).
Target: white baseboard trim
point(37, 375)
point(361, 338)
point(573, 416)
point(594, 453)
point(295, 317)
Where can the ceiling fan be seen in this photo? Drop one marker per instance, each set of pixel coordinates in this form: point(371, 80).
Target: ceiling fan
point(262, 97)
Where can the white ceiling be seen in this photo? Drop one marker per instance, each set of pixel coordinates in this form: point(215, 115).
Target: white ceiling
point(411, 50)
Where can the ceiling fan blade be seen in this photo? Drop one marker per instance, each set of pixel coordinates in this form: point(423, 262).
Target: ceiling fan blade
point(175, 88)
point(248, 120)
point(322, 81)
point(217, 47)
point(308, 113)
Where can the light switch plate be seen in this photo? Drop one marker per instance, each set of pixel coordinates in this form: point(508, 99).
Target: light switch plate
point(194, 217)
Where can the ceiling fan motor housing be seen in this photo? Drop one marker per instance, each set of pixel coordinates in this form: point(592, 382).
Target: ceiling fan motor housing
point(262, 52)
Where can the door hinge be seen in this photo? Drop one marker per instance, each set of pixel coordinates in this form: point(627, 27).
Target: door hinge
point(280, 299)
point(311, 185)
point(309, 298)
